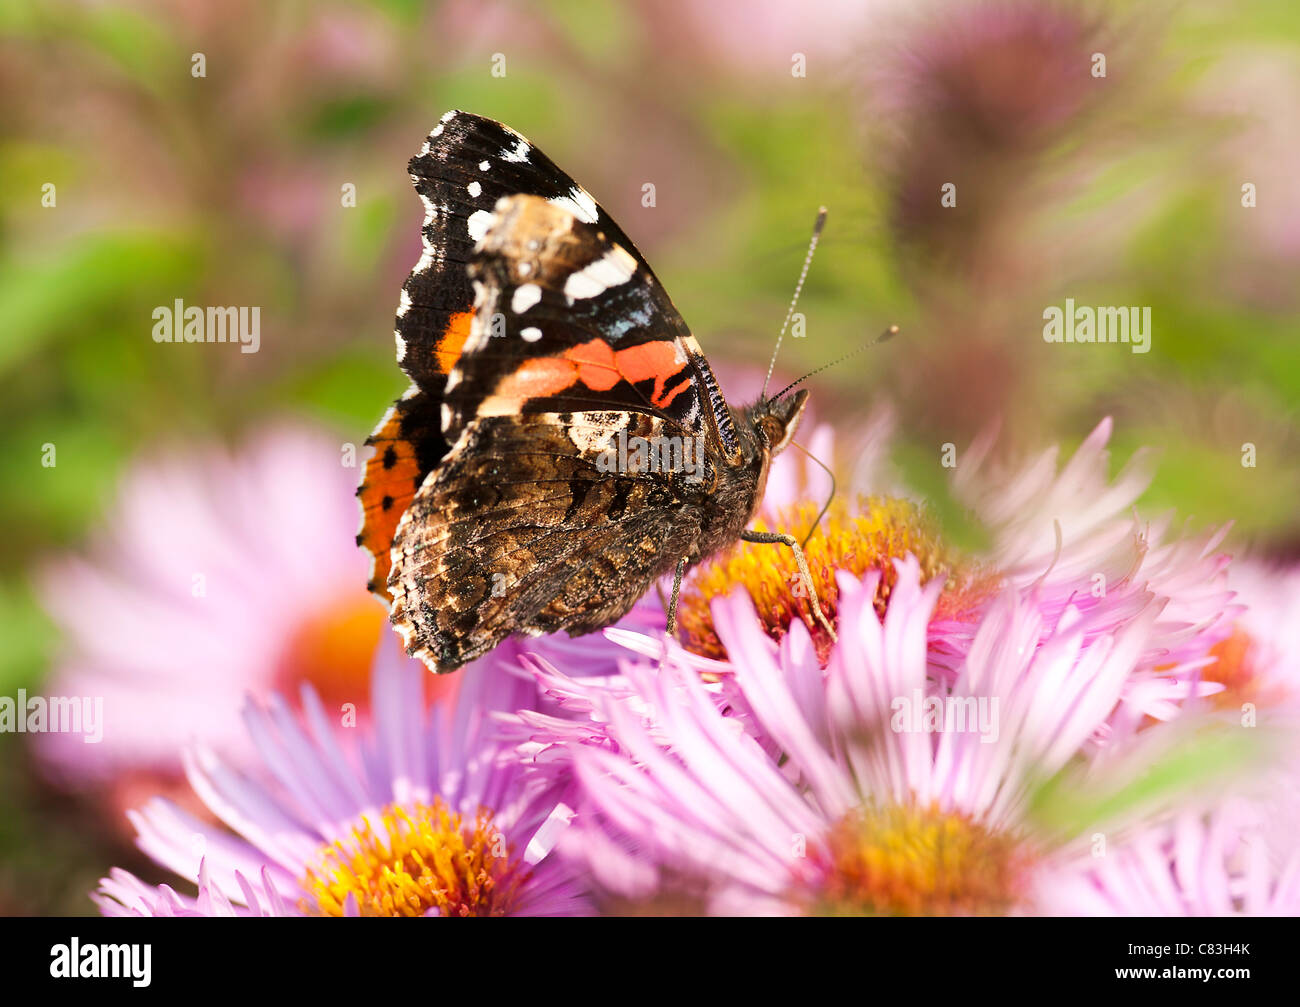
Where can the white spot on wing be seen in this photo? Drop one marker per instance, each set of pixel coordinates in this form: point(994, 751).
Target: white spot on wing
point(401, 346)
point(404, 304)
point(525, 268)
point(446, 416)
point(482, 166)
point(589, 438)
point(613, 268)
point(525, 297)
point(579, 203)
point(475, 189)
point(518, 153)
point(530, 335)
point(478, 224)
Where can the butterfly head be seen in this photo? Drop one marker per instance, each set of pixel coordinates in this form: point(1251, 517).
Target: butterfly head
point(775, 420)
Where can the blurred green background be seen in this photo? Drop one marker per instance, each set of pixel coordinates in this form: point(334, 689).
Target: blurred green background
point(225, 189)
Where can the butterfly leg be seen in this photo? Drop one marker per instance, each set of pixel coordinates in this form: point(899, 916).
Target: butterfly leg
point(677, 590)
point(777, 538)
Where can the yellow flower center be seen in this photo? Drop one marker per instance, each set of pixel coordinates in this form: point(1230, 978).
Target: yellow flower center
point(907, 861)
point(871, 537)
point(418, 859)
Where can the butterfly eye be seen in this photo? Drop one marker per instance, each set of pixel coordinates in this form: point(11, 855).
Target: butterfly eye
point(779, 425)
point(772, 431)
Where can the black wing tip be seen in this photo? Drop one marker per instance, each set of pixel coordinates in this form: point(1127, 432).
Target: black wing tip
point(461, 119)
point(462, 124)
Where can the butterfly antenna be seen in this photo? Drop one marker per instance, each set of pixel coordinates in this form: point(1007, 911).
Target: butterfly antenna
point(798, 288)
point(889, 333)
point(827, 505)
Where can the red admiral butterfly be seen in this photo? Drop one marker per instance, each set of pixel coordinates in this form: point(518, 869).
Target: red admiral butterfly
point(563, 443)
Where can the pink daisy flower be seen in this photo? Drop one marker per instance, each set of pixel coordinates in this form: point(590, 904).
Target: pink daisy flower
point(428, 813)
point(1073, 537)
point(786, 789)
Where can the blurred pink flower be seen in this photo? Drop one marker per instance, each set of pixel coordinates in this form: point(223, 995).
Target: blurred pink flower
point(285, 199)
point(217, 574)
point(759, 38)
point(1221, 862)
point(357, 46)
point(993, 73)
point(1259, 664)
point(975, 95)
point(427, 814)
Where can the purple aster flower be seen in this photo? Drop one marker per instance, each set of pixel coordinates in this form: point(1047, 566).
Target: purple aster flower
point(784, 788)
point(1073, 537)
point(428, 814)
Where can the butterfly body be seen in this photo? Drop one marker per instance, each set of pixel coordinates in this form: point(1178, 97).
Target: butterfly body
point(564, 443)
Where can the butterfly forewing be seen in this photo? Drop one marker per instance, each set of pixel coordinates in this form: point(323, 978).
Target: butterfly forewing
point(466, 164)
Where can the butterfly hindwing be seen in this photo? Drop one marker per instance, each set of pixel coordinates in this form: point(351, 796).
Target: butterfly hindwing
point(407, 445)
point(523, 530)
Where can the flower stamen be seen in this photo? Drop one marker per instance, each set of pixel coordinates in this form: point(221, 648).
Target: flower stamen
point(870, 537)
point(909, 861)
point(416, 862)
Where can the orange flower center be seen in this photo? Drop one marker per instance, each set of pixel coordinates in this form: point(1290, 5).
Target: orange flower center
point(1236, 668)
point(906, 861)
point(418, 859)
point(334, 650)
point(871, 537)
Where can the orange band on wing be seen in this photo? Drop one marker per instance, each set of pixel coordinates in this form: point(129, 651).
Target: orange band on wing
point(599, 367)
point(659, 360)
point(453, 340)
point(392, 477)
point(538, 378)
